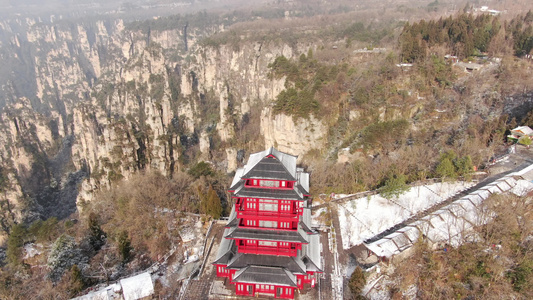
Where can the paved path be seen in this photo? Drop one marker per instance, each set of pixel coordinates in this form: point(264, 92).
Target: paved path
point(342, 256)
point(199, 287)
point(325, 280)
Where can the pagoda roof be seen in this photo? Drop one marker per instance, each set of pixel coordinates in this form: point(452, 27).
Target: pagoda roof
point(268, 193)
point(305, 221)
point(226, 250)
point(292, 263)
point(265, 275)
point(233, 222)
point(271, 164)
point(311, 254)
point(236, 179)
point(307, 259)
point(303, 180)
point(298, 236)
point(232, 219)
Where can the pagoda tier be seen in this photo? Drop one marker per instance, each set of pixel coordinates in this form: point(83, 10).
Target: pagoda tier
point(275, 241)
point(269, 246)
point(296, 270)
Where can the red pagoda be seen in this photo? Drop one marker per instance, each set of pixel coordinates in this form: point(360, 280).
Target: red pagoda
point(268, 247)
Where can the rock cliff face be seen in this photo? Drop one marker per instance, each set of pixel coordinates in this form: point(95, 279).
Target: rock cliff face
point(292, 136)
point(103, 101)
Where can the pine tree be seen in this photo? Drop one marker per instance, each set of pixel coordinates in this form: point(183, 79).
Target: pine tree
point(15, 242)
point(124, 246)
point(394, 186)
point(214, 206)
point(63, 255)
point(77, 281)
point(97, 237)
point(202, 198)
point(464, 167)
point(446, 168)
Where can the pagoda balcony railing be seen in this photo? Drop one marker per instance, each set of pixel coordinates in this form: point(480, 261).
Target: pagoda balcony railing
point(266, 213)
point(267, 250)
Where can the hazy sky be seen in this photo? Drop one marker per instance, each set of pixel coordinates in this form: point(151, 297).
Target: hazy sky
point(136, 8)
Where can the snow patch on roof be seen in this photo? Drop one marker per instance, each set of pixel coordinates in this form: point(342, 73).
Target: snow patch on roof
point(365, 217)
point(137, 287)
point(522, 188)
point(237, 177)
point(109, 292)
point(304, 180)
point(452, 224)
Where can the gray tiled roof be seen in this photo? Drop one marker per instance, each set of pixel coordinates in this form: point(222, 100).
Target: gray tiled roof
point(265, 275)
point(236, 179)
point(232, 219)
point(303, 180)
point(305, 221)
point(299, 236)
point(292, 263)
point(226, 250)
point(311, 254)
point(281, 166)
point(292, 194)
point(302, 190)
point(269, 168)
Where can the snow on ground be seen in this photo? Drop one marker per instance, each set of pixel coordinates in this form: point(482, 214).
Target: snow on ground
point(190, 227)
point(32, 250)
point(187, 234)
point(190, 259)
point(377, 288)
point(316, 217)
point(364, 218)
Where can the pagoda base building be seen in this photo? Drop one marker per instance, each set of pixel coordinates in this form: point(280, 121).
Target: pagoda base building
point(269, 247)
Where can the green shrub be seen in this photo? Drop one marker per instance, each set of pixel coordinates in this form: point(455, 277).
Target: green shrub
point(394, 186)
point(446, 169)
point(44, 230)
point(450, 166)
point(213, 206)
point(296, 103)
point(357, 283)
point(384, 135)
point(15, 241)
point(520, 275)
point(525, 140)
point(201, 169)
